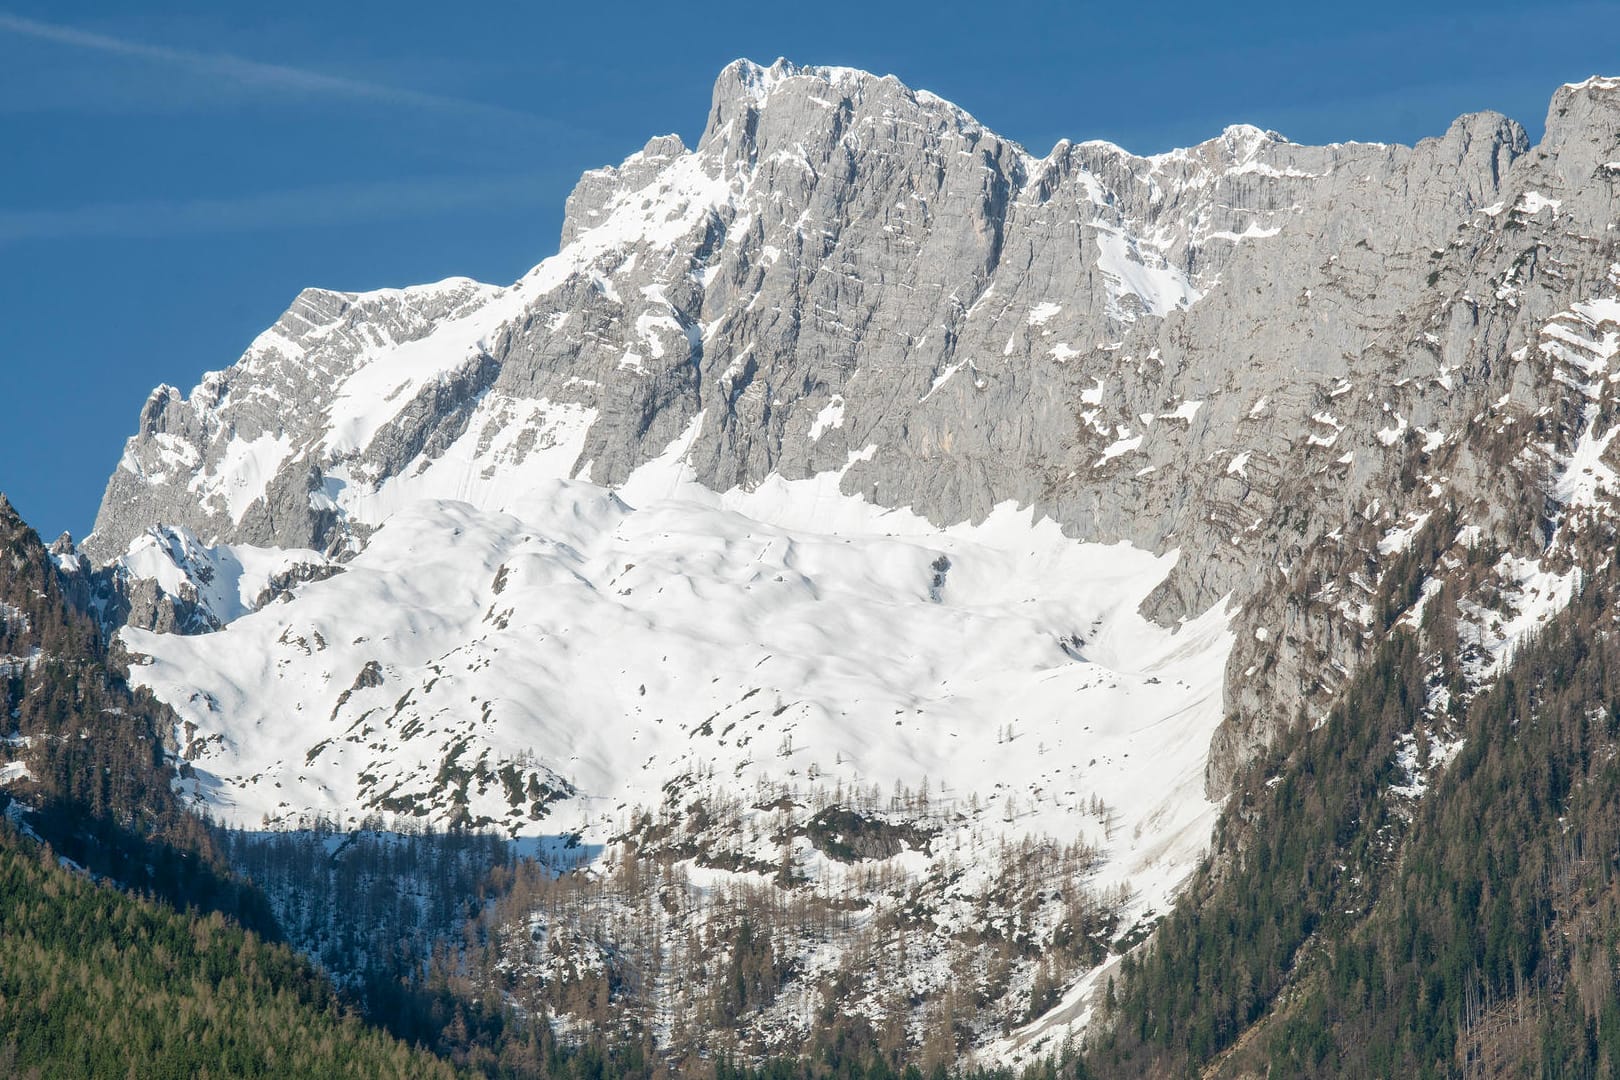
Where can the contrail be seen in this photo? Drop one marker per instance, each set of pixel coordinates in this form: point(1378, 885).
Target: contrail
point(258, 74)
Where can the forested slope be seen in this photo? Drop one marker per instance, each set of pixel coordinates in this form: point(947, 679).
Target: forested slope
point(1343, 927)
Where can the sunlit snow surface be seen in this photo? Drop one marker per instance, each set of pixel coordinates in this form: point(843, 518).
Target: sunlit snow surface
point(617, 641)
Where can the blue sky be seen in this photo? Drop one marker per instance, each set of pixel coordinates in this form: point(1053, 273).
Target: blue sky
point(173, 177)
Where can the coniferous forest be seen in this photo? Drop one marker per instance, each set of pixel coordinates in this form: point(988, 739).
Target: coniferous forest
point(98, 983)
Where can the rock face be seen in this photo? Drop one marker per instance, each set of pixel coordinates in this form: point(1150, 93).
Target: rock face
point(850, 320)
point(845, 262)
point(1194, 351)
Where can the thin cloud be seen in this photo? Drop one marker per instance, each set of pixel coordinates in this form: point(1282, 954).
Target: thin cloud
point(303, 207)
point(257, 74)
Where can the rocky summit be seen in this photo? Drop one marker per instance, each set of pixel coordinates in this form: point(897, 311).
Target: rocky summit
point(865, 511)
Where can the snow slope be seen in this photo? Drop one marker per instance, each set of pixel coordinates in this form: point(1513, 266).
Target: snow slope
point(596, 646)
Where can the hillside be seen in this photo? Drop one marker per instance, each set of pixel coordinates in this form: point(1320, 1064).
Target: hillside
point(96, 983)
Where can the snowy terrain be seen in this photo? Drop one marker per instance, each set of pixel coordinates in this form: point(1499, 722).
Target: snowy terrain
point(595, 646)
point(559, 662)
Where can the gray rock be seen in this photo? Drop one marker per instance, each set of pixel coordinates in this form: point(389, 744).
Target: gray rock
point(1204, 350)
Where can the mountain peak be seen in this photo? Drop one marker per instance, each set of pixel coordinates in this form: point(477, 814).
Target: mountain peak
point(1245, 140)
point(759, 81)
point(744, 87)
point(1594, 83)
point(1582, 120)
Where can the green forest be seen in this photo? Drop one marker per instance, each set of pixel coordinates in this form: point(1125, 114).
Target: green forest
point(97, 983)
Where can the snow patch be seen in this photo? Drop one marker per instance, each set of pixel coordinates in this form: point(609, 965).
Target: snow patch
point(831, 416)
point(1160, 286)
point(1042, 313)
point(1118, 448)
point(748, 633)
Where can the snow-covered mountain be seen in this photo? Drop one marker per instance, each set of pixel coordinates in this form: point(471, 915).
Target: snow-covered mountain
point(859, 448)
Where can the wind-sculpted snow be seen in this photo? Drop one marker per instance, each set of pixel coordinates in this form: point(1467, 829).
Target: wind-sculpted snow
point(548, 667)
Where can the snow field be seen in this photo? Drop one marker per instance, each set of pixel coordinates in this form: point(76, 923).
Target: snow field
point(610, 643)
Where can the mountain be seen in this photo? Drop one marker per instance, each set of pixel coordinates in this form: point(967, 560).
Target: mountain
point(860, 514)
